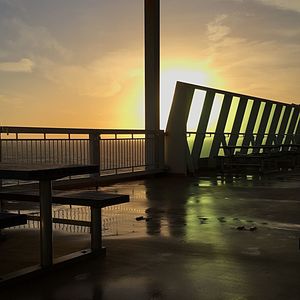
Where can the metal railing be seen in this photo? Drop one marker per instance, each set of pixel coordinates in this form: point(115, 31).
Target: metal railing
point(116, 151)
point(287, 141)
point(223, 118)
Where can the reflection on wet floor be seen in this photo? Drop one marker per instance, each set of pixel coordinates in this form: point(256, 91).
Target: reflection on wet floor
point(177, 206)
point(187, 237)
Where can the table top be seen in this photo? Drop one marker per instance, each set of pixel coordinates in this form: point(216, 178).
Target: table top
point(43, 171)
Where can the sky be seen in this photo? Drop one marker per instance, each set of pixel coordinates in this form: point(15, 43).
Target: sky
point(79, 63)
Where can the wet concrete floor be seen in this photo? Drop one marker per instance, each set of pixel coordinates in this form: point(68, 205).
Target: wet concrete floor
point(199, 238)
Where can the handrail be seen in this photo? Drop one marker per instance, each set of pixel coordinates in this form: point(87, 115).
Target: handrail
point(234, 94)
point(54, 130)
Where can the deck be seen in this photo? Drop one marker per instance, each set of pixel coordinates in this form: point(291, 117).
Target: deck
point(194, 241)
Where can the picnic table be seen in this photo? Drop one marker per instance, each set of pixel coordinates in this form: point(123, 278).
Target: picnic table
point(44, 174)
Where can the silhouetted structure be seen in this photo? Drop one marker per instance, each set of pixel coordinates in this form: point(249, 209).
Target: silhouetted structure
point(152, 64)
point(241, 125)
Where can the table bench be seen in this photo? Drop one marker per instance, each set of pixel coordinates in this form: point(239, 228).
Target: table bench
point(263, 158)
point(94, 199)
point(45, 174)
point(11, 220)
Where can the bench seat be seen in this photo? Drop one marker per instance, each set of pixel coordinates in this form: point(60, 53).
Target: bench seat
point(94, 199)
point(81, 198)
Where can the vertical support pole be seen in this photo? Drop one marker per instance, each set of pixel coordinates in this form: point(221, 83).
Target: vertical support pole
point(152, 63)
point(94, 140)
point(96, 229)
point(176, 142)
point(152, 76)
point(46, 223)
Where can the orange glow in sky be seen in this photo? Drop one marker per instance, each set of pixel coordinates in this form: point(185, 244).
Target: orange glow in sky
point(186, 71)
point(81, 63)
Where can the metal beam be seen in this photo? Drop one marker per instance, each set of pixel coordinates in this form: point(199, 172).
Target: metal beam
point(202, 126)
point(263, 125)
point(284, 124)
point(238, 121)
point(219, 133)
point(275, 120)
point(249, 137)
point(293, 123)
point(177, 156)
point(152, 63)
point(297, 133)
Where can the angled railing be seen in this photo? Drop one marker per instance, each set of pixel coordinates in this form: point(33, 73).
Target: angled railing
point(224, 118)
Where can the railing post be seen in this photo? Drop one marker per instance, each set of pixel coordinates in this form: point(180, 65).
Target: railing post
point(297, 134)
point(275, 119)
point(238, 119)
point(219, 132)
point(292, 126)
point(94, 141)
point(202, 127)
point(260, 138)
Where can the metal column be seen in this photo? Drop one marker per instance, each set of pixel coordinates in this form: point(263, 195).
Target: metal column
point(152, 64)
point(94, 146)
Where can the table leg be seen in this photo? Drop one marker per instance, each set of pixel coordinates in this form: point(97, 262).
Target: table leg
point(46, 223)
point(96, 229)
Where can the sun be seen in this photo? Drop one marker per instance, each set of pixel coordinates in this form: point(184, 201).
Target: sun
point(188, 72)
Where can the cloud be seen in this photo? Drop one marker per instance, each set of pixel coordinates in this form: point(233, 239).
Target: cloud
point(3, 99)
point(284, 4)
point(253, 67)
point(11, 100)
point(104, 77)
point(24, 65)
point(216, 30)
point(21, 38)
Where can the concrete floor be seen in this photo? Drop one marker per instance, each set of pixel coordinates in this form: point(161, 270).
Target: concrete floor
point(190, 248)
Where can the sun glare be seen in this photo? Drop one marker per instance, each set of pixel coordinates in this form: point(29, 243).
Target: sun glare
point(171, 75)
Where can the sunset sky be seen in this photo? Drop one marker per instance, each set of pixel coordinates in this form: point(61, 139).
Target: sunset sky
point(79, 63)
